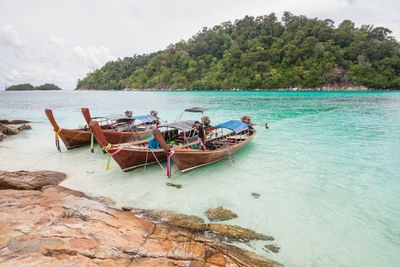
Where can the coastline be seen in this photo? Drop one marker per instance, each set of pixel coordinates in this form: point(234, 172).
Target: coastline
point(322, 88)
point(47, 224)
point(44, 223)
point(23, 90)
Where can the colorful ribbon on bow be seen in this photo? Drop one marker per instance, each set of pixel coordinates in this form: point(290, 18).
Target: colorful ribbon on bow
point(119, 149)
point(58, 140)
point(92, 142)
point(169, 156)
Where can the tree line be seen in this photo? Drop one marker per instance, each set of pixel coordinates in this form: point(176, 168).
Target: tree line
point(262, 52)
point(30, 87)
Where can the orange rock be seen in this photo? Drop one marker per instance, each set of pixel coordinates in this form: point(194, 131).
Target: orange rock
point(62, 227)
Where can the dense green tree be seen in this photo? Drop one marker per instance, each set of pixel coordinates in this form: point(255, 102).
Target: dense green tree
point(262, 52)
point(30, 87)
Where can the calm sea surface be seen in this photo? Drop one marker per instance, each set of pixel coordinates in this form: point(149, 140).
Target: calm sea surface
point(327, 170)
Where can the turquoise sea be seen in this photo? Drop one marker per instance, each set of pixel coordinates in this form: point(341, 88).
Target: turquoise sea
point(327, 170)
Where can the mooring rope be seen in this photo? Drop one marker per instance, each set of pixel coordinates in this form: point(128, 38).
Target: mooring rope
point(156, 159)
point(119, 149)
point(145, 164)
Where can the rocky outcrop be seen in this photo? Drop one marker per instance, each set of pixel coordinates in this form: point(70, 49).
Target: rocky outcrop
point(24, 180)
point(56, 226)
point(188, 222)
point(196, 224)
point(24, 127)
point(8, 130)
point(232, 233)
point(271, 247)
point(11, 130)
point(220, 214)
point(14, 121)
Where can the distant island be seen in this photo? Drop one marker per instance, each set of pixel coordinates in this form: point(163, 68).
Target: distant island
point(30, 87)
point(263, 53)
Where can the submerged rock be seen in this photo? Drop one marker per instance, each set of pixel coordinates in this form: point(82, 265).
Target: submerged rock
point(105, 200)
point(189, 222)
point(24, 127)
point(220, 214)
point(272, 248)
point(14, 121)
point(126, 208)
point(179, 186)
point(56, 226)
point(236, 233)
point(255, 195)
point(2, 136)
point(196, 224)
point(7, 130)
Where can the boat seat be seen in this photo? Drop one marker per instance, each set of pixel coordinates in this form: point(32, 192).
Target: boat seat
point(192, 139)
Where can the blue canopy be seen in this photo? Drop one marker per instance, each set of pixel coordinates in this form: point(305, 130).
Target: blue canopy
point(144, 118)
point(235, 125)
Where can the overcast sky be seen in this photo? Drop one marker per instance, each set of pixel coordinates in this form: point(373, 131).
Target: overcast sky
point(59, 41)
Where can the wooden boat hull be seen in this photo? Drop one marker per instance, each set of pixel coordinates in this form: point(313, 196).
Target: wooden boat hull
point(129, 155)
point(73, 138)
point(115, 137)
point(188, 159)
point(129, 159)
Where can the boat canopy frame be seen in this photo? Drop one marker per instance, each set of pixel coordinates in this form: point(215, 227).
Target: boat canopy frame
point(122, 118)
point(192, 110)
point(184, 126)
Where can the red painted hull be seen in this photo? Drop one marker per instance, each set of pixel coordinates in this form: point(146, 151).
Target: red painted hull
point(73, 138)
point(115, 137)
point(131, 158)
point(187, 159)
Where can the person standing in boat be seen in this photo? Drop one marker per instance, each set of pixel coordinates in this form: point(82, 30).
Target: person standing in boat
point(201, 133)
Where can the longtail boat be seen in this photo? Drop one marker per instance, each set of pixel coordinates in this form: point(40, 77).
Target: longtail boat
point(121, 129)
point(218, 145)
point(139, 153)
point(71, 138)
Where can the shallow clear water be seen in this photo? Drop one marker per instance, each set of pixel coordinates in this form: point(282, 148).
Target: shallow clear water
point(328, 169)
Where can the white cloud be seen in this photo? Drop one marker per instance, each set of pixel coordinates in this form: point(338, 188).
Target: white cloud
point(93, 57)
point(61, 40)
point(10, 37)
point(55, 61)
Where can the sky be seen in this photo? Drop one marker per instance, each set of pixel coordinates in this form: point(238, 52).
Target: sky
point(60, 41)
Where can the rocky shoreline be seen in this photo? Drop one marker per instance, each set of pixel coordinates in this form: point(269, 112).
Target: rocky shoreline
point(44, 224)
point(323, 87)
point(6, 129)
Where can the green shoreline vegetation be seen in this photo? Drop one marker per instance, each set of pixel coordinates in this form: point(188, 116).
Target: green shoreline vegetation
point(30, 87)
point(263, 53)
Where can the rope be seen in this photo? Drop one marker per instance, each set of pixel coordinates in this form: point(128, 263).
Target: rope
point(145, 164)
point(119, 149)
point(156, 159)
point(57, 140)
point(73, 138)
point(169, 156)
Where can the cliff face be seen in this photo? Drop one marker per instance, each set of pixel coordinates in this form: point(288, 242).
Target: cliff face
point(43, 224)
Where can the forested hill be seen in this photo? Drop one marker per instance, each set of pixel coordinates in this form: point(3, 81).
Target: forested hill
point(30, 87)
point(263, 52)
